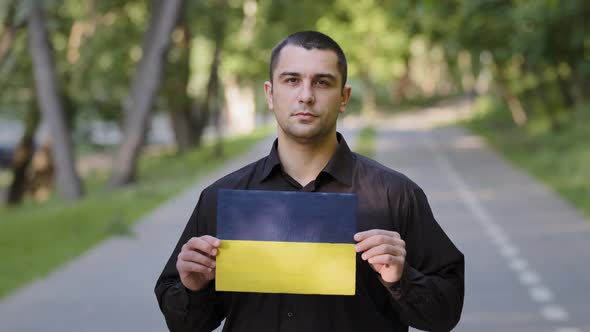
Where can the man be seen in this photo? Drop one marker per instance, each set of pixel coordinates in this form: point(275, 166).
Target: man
point(408, 271)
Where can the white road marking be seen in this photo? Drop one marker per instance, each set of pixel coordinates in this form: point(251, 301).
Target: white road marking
point(500, 241)
point(529, 278)
point(509, 251)
point(568, 329)
point(554, 313)
point(541, 294)
point(518, 264)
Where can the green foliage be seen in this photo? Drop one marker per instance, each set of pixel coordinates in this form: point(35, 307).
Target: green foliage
point(109, 52)
point(97, 45)
point(36, 239)
point(372, 38)
point(535, 50)
point(533, 43)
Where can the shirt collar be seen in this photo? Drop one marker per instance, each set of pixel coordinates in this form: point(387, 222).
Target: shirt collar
point(340, 165)
point(342, 162)
point(272, 161)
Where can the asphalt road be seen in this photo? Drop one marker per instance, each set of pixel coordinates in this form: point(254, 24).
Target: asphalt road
point(526, 250)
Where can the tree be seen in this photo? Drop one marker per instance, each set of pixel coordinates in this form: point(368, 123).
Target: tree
point(9, 28)
point(144, 89)
point(188, 118)
point(22, 157)
point(50, 103)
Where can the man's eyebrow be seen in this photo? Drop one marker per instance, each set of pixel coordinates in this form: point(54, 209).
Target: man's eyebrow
point(325, 75)
point(289, 73)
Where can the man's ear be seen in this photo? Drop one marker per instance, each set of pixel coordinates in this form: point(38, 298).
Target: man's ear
point(268, 94)
point(346, 92)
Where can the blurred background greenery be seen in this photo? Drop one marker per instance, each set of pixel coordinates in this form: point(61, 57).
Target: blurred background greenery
point(86, 82)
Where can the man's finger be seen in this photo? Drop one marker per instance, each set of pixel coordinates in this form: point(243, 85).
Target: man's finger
point(202, 244)
point(360, 236)
point(382, 249)
point(386, 260)
point(376, 240)
point(196, 257)
point(186, 266)
point(211, 240)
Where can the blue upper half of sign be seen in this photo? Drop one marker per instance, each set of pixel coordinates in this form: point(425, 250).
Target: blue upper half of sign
point(286, 216)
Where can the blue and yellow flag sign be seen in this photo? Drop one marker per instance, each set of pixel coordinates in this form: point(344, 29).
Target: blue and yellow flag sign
point(286, 242)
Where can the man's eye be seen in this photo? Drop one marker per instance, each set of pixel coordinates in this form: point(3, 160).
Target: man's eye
point(291, 80)
point(323, 83)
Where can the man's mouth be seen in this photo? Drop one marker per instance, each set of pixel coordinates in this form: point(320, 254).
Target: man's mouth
point(305, 115)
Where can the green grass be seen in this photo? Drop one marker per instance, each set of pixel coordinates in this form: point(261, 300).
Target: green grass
point(365, 144)
point(560, 159)
point(35, 239)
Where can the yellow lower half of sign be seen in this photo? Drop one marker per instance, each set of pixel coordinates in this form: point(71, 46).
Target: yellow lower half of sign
point(286, 267)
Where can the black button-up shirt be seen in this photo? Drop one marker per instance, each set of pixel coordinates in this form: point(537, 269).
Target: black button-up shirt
point(429, 296)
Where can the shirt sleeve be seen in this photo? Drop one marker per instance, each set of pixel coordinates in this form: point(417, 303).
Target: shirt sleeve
point(183, 309)
point(430, 294)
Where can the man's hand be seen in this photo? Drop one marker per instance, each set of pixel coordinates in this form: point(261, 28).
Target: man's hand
point(384, 250)
point(196, 262)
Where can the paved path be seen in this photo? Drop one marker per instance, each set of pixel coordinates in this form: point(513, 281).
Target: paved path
point(527, 251)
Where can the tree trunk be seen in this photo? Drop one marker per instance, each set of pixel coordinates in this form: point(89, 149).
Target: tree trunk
point(42, 171)
point(188, 125)
point(566, 94)
point(180, 124)
point(22, 157)
point(212, 102)
point(200, 118)
point(466, 71)
point(144, 89)
point(549, 109)
point(369, 102)
point(175, 88)
point(214, 98)
point(454, 72)
point(68, 182)
point(404, 83)
point(579, 89)
point(186, 119)
point(8, 31)
point(514, 105)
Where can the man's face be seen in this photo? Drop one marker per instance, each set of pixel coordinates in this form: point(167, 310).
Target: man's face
point(306, 93)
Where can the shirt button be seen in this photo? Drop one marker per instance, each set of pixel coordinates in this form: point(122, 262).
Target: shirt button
point(290, 314)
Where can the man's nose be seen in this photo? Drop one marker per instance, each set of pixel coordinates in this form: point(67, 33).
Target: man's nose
point(306, 94)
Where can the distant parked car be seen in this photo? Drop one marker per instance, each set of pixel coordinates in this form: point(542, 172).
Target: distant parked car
point(6, 154)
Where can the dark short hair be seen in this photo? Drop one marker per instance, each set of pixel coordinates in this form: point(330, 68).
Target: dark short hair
point(310, 40)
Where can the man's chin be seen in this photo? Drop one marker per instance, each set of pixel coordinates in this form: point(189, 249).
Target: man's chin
point(307, 137)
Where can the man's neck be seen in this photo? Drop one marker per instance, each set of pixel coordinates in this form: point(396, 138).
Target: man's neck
point(304, 161)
